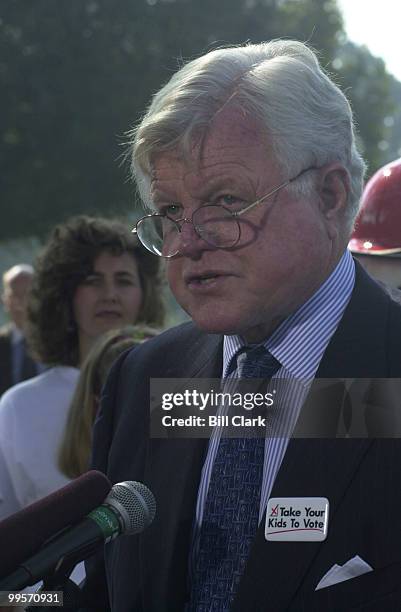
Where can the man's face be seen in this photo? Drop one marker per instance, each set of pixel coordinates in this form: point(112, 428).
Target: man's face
point(15, 298)
point(285, 250)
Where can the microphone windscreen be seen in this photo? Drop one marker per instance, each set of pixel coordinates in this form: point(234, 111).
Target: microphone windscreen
point(23, 533)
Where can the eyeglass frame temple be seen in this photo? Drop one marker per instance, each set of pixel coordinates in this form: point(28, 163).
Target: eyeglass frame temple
point(238, 213)
point(275, 190)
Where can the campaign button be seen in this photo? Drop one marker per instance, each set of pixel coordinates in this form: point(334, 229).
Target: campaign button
point(297, 519)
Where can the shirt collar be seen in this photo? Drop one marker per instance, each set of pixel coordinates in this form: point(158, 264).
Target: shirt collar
point(301, 339)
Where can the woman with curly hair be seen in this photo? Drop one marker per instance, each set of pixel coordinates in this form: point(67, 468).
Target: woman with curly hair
point(92, 276)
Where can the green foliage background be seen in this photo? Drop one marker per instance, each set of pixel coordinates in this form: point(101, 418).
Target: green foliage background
point(76, 74)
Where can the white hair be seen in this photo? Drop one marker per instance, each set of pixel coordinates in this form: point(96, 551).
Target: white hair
point(280, 83)
point(17, 271)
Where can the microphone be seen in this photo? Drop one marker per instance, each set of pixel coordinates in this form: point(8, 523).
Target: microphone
point(128, 509)
point(24, 532)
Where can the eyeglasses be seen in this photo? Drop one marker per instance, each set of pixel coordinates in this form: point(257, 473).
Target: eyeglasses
point(214, 223)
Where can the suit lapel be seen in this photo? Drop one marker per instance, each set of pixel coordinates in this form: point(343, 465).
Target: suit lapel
point(173, 469)
point(358, 347)
point(327, 470)
point(322, 467)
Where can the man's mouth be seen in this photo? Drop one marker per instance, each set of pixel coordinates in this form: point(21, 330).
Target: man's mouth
point(204, 278)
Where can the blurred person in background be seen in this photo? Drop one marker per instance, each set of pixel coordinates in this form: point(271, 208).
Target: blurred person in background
point(91, 276)
point(76, 444)
point(376, 239)
point(16, 362)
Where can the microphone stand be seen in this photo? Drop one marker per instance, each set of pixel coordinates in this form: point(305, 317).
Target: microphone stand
point(73, 598)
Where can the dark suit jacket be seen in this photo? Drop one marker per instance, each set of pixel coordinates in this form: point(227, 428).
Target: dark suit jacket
point(360, 477)
point(6, 368)
point(6, 359)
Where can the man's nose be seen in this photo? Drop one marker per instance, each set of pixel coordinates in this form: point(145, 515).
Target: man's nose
point(190, 243)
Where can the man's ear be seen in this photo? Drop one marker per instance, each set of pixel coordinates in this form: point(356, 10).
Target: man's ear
point(333, 189)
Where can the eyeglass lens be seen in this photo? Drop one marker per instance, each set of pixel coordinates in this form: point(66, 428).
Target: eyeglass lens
point(214, 224)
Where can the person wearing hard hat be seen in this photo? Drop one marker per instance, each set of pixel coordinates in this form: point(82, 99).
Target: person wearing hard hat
point(376, 239)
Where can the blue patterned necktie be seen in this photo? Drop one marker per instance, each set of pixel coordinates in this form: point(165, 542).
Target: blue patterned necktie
point(231, 512)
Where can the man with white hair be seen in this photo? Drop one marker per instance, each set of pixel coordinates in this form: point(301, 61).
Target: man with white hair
point(16, 363)
point(247, 163)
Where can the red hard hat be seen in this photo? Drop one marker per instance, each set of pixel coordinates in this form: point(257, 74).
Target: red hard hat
point(378, 225)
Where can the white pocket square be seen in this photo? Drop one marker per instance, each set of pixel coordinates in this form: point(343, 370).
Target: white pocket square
point(338, 573)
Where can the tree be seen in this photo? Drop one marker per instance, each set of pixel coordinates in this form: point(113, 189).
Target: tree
point(368, 86)
point(75, 76)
